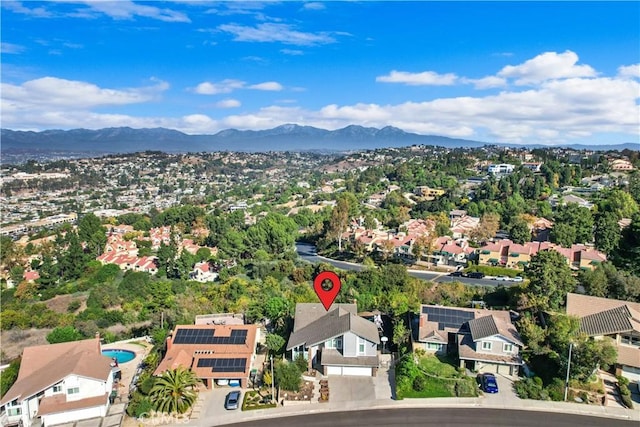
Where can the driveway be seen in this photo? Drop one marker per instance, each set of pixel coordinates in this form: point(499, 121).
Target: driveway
point(348, 389)
point(506, 396)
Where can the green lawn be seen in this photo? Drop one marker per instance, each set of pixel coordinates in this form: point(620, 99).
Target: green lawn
point(449, 384)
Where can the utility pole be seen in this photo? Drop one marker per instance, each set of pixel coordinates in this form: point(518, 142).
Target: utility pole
point(566, 383)
point(273, 381)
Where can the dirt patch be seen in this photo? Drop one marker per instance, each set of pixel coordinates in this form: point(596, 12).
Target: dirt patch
point(60, 303)
point(15, 340)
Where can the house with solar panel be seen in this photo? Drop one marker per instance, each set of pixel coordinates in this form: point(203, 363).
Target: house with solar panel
point(483, 340)
point(602, 318)
point(217, 354)
point(335, 341)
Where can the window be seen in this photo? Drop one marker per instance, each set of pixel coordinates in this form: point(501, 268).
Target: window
point(73, 390)
point(630, 340)
point(361, 345)
point(433, 346)
point(12, 412)
point(57, 388)
point(507, 348)
point(334, 343)
point(486, 345)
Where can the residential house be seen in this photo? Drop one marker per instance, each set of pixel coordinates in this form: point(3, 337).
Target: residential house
point(500, 169)
point(484, 340)
point(213, 352)
point(618, 320)
point(462, 225)
point(202, 272)
point(335, 341)
point(428, 192)
point(506, 253)
point(447, 251)
point(620, 165)
point(59, 383)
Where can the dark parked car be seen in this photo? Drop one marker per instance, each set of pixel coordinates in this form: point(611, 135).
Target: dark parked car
point(488, 383)
point(232, 401)
point(475, 275)
point(456, 274)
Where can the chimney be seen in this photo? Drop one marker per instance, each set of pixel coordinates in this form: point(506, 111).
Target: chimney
point(99, 343)
point(169, 343)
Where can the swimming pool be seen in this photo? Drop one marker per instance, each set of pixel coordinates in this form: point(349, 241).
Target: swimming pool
point(122, 356)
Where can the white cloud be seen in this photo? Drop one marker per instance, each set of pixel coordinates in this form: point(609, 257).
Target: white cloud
point(314, 6)
point(292, 52)
point(47, 92)
point(418, 79)
point(18, 7)
point(629, 71)
point(126, 9)
point(281, 33)
point(486, 82)
point(269, 86)
point(547, 66)
point(225, 86)
point(11, 48)
point(228, 103)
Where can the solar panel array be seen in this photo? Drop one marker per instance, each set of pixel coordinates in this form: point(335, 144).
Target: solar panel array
point(207, 336)
point(223, 365)
point(447, 317)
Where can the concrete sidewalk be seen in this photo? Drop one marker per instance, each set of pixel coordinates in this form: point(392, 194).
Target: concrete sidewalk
point(222, 418)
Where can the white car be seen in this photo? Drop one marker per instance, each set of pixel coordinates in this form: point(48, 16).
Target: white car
point(516, 279)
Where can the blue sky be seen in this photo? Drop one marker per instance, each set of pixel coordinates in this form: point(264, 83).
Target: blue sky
point(521, 72)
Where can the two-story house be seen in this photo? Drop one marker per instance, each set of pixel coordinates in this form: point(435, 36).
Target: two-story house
point(484, 340)
point(59, 383)
point(617, 320)
point(335, 341)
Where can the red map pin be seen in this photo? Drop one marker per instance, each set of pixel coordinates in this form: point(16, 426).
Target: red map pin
point(327, 285)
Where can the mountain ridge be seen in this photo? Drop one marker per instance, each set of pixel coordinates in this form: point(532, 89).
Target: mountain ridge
point(287, 137)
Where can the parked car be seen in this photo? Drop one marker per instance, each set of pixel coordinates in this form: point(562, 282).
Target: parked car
point(456, 274)
point(488, 383)
point(475, 275)
point(517, 279)
point(501, 278)
point(232, 401)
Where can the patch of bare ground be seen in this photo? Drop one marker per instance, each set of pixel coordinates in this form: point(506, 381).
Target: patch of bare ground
point(60, 303)
point(15, 340)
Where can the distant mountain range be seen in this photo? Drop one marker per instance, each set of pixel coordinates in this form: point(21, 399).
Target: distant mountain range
point(289, 137)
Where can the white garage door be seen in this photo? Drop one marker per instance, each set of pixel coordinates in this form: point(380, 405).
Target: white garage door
point(353, 371)
point(334, 370)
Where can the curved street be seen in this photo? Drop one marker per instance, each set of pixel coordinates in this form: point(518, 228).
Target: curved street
point(307, 252)
point(463, 417)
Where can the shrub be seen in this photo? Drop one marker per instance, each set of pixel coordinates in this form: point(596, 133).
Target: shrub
point(420, 383)
point(73, 306)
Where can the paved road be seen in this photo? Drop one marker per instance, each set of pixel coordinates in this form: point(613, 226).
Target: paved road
point(477, 417)
point(308, 252)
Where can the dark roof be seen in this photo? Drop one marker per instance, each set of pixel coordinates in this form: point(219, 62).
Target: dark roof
point(483, 327)
point(607, 322)
point(333, 324)
point(332, 357)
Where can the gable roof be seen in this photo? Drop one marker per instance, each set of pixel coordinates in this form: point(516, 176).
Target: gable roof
point(489, 326)
point(334, 323)
point(612, 321)
point(45, 365)
point(583, 305)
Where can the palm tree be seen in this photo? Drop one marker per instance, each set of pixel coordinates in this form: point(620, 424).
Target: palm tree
point(175, 391)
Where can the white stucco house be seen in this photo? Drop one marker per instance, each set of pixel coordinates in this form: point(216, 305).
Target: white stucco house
point(335, 341)
point(59, 383)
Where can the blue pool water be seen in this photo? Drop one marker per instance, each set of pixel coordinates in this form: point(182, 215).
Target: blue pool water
point(122, 356)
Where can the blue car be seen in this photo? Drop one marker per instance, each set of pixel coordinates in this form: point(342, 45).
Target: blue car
point(232, 400)
point(489, 383)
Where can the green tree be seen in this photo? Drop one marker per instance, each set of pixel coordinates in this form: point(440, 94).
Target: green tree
point(338, 222)
point(607, 232)
point(628, 255)
point(274, 343)
point(563, 234)
point(595, 282)
point(63, 334)
point(72, 261)
point(91, 231)
point(620, 203)
point(550, 279)
point(9, 376)
point(288, 376)
point(578, 217)
point(175, 391)
point(519, 231)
